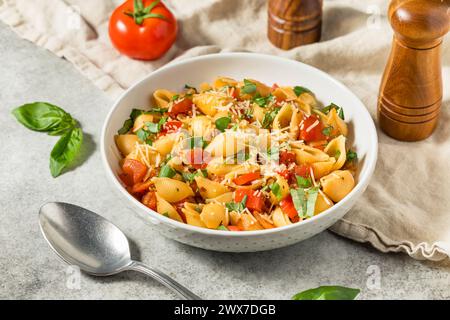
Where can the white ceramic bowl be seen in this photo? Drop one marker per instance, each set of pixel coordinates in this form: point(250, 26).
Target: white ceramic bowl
point(267, 69)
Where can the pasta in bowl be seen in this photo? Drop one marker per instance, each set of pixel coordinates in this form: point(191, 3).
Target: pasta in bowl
point(237, 155)
point(239, 163)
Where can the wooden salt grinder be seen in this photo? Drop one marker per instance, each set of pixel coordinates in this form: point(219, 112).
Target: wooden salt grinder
point(411, 90)
point(293, 23)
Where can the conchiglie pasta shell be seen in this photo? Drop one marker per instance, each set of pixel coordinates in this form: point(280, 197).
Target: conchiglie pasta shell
point(306, 155)
point(163, 207)
point(208, 102)
point(337, 184)
point(337, 146)
point(322, 203)
point(279, 218)
point(200, 125)
point(339, 125)
point(210, 189)
point(224, 198)
point(164, 144)
point(218, 167)
point(321, 169)
point(140, 121)
point(142, 154)
point(248, 223)
point(308, 98)
point(284, 117)
point(226, 144)
point(163, 97)
point(193, 218)
point(284, 190)
point(212, 215)
point(172, 190)
point(224, 81)
point(284, 93)
point(258, 113)
point(126, 143)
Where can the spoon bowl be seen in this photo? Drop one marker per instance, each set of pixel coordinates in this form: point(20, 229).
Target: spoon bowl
point(85, 239)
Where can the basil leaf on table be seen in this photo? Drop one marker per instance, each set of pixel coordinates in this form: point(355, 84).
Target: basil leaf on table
point(44, 117)
point(65, 151)
point(328, 293)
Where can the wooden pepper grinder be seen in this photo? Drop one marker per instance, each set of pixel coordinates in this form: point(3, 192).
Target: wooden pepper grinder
point(293, 23)
point(411, 90)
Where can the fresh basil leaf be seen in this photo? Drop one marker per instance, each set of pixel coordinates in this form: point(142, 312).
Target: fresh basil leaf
point(190, 177)
point(263, 101)
point(268, 118)
point(166, 214)
point(249, 87)
point(237, 207)
point(328, 293)
point(303, 182)
point(143, 135)
point(127, 125)
point(300, 90)
point(44, 117)
point(341, 113)
point(135, 113)
point(276, 190)
point(167, 172)
point(158, 110)
point(339, 110)
point(188, 87)
point(311, 202)
point(222, 123)
point(351, 155)
point(175, 97)
point(327, 131)
point(222, 227)
point(65, 151)
point(299, 200)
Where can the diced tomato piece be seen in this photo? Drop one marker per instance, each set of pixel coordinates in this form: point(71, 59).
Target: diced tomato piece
point(179, 206)
point(287, 157)
point(198, 158)
point(303, 171)
point(246, 178)
point(126, 179)
point(236, 93)
point(182, 107)
point(233, 228)
point(311, 129)
point(141, 187)
point(149, 200)
point(255, 199)
point(170, 127)
point(285, 174)
point(287, 206)
point(134, 169)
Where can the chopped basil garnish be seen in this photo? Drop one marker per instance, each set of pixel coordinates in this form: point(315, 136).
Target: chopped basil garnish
point(188, 87)
point(156, 127)
point(167, 172)
point(268, 118)
point(165, 214)
point(263, 101)
point(222, 123)
point(158, 110)
point(305, 201)
point(223, 228)
point(299, 90)
point(135, 113)
point(303, 182)
point(276, 190)
point(190, 177)
point(351, 155)
point(175, 97)
point(339, 110)
point(143, 135)
point(127, 125)
point(249, 87)
point(327, 131)
point(237, 207)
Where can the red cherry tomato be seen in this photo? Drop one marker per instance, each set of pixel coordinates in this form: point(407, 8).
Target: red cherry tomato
point(149, 200)
point(303, 171)
point(287, 157)
point(311, 129)
point(198, 158)
point(287, 206)
point(142, 35)
point(246, 178)
point(141, 187)
point(255, 199)
point(135, 170)
point(170, 127)
point(182, 107)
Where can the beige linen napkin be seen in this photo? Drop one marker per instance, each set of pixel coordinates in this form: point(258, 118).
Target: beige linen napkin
point(407, 205)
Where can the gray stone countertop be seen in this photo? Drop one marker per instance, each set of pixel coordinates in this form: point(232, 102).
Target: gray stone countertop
point(30, 270)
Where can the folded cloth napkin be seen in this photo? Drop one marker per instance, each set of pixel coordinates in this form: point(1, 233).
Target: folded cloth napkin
point(407, 205)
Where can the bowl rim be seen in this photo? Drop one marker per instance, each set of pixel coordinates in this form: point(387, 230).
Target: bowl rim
point(363, 181)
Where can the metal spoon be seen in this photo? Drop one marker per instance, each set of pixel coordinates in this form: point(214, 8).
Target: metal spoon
point(81, 237)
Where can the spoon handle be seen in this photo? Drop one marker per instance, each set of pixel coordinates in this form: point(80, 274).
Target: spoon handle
point(164, 280)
